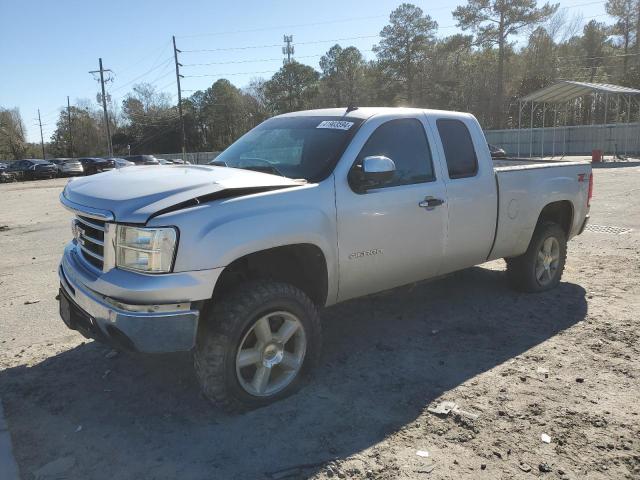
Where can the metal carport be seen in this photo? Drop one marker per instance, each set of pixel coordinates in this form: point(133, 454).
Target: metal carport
point(561, 93)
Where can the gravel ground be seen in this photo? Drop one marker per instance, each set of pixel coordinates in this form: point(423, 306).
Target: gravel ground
point(564, 363)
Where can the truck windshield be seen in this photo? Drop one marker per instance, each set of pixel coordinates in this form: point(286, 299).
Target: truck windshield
point(294, 147)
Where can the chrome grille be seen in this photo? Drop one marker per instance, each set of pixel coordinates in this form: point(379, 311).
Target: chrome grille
point(90, 238)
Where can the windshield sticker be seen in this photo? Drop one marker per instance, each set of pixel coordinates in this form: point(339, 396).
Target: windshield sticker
point(335, 124)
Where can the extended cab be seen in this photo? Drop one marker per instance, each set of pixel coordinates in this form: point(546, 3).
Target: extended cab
point(308, 209)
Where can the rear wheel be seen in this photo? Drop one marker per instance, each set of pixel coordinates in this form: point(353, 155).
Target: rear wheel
point(540, 267)
point(254, 346)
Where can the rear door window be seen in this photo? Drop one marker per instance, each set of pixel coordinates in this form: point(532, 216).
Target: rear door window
point(458, 148)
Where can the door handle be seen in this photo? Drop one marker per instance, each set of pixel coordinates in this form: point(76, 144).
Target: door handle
point(430, 203)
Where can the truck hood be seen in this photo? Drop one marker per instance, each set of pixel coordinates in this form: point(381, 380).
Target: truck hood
point(135, 194)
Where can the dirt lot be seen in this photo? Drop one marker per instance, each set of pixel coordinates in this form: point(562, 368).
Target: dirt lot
point(564, 363)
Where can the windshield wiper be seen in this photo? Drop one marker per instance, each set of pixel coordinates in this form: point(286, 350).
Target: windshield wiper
point(263, 169)
point(263, 166)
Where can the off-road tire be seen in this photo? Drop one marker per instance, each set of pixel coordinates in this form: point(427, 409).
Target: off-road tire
point(222, 328)
point(521, 270)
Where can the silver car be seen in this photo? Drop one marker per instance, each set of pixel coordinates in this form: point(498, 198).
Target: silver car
point(121, 162)
point(70, 167)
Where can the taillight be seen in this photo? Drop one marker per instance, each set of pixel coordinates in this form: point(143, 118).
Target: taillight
point(590, 189)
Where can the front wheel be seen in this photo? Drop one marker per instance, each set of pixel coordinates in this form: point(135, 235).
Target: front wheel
point(540, 267)
point(254, 346)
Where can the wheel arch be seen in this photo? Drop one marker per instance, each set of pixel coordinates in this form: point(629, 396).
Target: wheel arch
point(303, 265)
point(560, 212)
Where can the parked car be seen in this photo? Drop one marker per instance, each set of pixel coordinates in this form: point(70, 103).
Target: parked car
point(121, 162)
point(497, 152)
point(92, 165)
point(71, 167)
point(143, 159)
point(58, 163)
point(164, 161)
point(68, 166)
point(320, 207)
point(32, 169)
point(7, 177)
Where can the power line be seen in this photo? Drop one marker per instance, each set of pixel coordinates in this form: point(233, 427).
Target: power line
point(154, 136)
point(259, 60)
point(164, 63)
point(248, 47)
point(160, 52)
point(310, 56)
point(341, 20)
point(163, 75)
point(229, 49)
point(313, 42)
point(229, 74)
point(282, 27)
point(166, 86)
point(145, 116)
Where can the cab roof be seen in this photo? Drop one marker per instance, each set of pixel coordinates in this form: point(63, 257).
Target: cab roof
point(366, 112)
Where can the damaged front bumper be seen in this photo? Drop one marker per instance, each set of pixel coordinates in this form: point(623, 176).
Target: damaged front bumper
point(145, 313)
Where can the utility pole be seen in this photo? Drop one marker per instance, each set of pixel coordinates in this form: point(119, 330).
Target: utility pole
point(44, 157)
point(104, 106)
point(288, 50)
point(178, 77)
point(70, 153)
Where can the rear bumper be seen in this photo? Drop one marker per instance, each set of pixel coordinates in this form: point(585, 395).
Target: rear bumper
point(584, 224)
point(72, 171)
point(151, 327)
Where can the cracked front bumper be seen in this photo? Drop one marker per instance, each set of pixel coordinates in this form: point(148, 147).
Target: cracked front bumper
point(149, 324)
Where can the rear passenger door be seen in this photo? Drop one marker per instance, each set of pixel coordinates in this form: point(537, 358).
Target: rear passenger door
point(471, 192)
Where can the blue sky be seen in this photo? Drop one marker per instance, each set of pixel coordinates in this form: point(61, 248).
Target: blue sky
point(48, 47)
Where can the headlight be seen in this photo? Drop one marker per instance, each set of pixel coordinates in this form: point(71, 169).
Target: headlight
point(148, 250)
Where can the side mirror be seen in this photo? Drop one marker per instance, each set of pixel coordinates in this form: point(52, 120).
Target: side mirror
point(373, 172)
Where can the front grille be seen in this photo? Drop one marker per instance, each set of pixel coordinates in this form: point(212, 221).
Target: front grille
point(91, 240)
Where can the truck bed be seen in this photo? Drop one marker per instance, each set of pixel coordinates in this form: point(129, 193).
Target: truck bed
point(525, 186)
point(505, 164)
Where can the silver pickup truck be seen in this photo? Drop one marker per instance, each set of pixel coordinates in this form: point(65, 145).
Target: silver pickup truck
point(233, 260)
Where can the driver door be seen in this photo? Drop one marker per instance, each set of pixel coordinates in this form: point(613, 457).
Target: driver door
point(387, 236)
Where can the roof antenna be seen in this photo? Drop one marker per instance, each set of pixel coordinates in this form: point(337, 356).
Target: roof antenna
point(350, 108)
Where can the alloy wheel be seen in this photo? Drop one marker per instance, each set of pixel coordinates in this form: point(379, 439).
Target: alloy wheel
point(271, 354)
point(547, 261)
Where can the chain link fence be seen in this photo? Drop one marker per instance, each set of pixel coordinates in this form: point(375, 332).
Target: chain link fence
point(191, 157)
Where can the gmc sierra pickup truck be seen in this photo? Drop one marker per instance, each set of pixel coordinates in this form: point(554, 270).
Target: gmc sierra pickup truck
point(233, 260)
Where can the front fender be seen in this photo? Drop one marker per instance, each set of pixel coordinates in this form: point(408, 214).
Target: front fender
point(214, 234)
point(241, 236)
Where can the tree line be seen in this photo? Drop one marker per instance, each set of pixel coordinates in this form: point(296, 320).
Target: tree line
point(507, 49)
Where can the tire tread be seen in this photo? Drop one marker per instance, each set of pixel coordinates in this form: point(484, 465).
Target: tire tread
point(216, 332)
point(519, 268)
